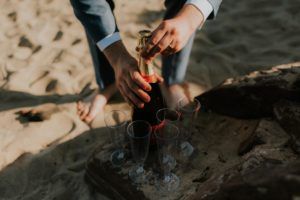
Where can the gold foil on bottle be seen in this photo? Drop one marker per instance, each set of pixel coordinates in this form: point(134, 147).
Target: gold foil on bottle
point(146, 69)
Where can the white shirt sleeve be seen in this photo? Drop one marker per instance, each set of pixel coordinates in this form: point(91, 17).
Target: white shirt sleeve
point(203, 6)
point(108, 40)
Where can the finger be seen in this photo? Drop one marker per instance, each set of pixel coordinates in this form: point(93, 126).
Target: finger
point(125, 97)
point(84, 113)
point(176, 46)
point(81, 110)
point(95, 108)
point(169, 50)
point(79, 106)
point(159, 78)
point(162, 45)
point(129, 96)
point(157, 34)
point(138, 91)
point(133, 98)
point(139, 80)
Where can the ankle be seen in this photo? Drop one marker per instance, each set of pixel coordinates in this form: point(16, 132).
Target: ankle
point(174, 87)
point(109, 91)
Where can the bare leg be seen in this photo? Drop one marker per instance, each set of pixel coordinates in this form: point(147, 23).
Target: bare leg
point(98, 20)
point(173, 94)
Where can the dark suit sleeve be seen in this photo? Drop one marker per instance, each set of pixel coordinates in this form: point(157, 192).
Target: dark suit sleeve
point(96, 16)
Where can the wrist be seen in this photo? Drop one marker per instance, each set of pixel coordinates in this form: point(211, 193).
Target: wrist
point(192, 16)
point(115, 53)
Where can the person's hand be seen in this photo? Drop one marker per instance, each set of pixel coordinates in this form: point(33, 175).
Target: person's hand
point(172, 34)
point(129, 81)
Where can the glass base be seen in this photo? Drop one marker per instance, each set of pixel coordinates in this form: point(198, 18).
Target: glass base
point(168, 183)
point(169, 161)
point(137, 175)
point(186, 149)
point(117, 158)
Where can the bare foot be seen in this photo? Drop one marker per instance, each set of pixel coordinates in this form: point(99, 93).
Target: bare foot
point(173, 94)
point(90, 106)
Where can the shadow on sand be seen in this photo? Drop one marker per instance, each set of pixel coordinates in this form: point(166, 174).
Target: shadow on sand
point(16, 99)
point(57, 172)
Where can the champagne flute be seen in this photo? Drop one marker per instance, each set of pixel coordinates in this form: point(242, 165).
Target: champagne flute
point(188, 114)
point(166, 139)
point(166, 115)
point(139, 132)
point(116, 122)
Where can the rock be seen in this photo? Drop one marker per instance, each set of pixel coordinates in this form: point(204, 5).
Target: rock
point(254, 95)
point(282, 181)
point(288, 115)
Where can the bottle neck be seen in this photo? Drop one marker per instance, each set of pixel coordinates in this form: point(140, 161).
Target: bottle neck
point(145, 68)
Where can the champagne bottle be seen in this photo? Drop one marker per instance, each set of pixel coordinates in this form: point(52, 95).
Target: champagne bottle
point(148, 112)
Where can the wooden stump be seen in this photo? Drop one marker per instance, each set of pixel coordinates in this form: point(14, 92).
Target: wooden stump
point(218, 141)
point(254, 95)
point(230, 154)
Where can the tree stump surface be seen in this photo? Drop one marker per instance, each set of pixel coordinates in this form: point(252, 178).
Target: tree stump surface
point(254, 95)
point(244, 155)
point(221, 144)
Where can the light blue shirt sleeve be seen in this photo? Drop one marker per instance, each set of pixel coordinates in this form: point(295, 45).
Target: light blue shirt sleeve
point(108, 40)
point(203, 6)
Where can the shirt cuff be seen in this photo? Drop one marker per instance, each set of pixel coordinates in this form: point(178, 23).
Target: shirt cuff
point(108, 40)
point(203, 6)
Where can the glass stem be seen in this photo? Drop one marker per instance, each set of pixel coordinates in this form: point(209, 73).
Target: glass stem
point(140, 168)
point(167, 175)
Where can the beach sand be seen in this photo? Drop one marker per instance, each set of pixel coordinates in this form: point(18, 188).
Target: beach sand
point(45, 67)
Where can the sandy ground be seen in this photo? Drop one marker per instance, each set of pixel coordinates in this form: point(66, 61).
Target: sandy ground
point(45, 65)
